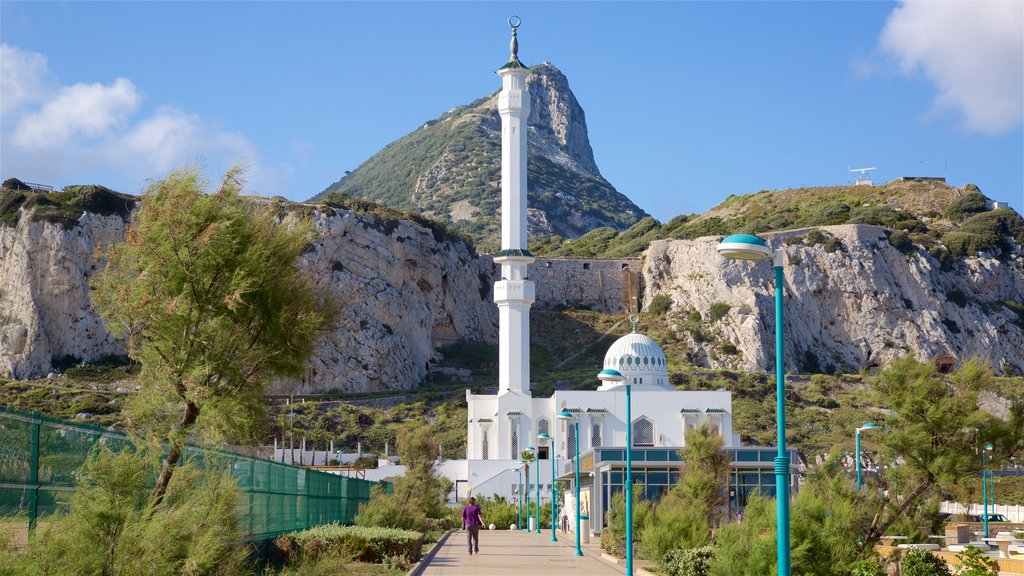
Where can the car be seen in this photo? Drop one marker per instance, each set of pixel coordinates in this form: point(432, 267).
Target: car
point(991, 518)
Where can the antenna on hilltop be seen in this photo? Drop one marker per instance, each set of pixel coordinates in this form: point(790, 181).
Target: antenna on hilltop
point(864, 179)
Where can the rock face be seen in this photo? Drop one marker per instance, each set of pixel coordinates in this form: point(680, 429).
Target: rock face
point(856, 306)
point(450, 169)
point(45, 308)
point(401, 290)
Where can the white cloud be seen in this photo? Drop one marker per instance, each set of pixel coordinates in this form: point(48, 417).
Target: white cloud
point(972, 51)
point(23, 78)
point(94, 132)
point(87, 110)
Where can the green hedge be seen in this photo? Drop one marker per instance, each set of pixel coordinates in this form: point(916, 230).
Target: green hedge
point(362, 543)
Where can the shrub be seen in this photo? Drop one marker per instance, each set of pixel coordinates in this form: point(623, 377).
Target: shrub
point(871, 567)
point(963, 244)
point(692, 562)
point(957, 297)
point(996, 227)
point(972, 202)
point(830, 214)
point(718, 311)
point(362, 543)
point(919, 562)
point(112, 528)
point(15, 184)
point(613, 537)
point(901, 241)
point(877, 216)
point(660, 304)
point(974, 562)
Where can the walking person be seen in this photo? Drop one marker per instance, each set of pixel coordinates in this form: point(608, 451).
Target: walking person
point(471, 522)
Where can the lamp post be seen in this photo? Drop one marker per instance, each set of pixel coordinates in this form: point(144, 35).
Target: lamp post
point(532, 452)
point(750, 247)
point(544, 439)
point(537, 499)
point(984, 488)
point(570, 417)
point(519, 493)
point(616, 377)
point(866, 426)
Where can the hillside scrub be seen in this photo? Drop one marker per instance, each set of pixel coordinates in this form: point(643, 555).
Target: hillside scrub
point(910, 207)
point(112, 528)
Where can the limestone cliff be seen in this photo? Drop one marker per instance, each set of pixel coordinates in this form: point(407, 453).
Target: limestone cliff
point(45, 309)
point(401, 289)
point(849, 304)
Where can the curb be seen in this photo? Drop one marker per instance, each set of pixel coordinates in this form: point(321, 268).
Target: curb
point(421, 566)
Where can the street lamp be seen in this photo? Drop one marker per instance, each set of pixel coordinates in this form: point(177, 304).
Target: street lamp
point(532, 451)
point(984, 487)
point(615, 377)
point(544, 439)
point(750, 247)
point(570, 417)
point(866, 426)
point(519, 493)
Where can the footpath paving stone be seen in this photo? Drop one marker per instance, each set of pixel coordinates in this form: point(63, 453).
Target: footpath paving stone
point(504, 552)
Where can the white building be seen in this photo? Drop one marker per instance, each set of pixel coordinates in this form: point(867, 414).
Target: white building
point(501, 426)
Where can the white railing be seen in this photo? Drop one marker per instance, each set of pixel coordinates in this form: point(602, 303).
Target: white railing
point(1013, 512)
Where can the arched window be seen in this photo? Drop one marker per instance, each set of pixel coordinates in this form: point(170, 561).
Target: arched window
point(570, 445)
point(643, 432)
point(485, 446)
point(595, 435)
point(515, 439)
point(543, 426)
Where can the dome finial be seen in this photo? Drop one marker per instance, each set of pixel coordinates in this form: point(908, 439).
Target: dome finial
point(514, 22)
point(634, 319)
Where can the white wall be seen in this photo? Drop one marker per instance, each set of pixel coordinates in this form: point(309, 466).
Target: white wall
point(1013, 512)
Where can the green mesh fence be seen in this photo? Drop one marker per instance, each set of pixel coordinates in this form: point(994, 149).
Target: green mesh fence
point(40, 455)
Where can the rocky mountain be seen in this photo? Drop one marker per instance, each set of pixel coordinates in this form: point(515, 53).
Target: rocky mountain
point(450, 169)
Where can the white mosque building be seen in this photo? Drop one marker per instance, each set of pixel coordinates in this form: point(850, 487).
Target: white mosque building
point(501, 426)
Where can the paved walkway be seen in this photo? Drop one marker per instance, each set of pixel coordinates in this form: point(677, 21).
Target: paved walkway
point(515, 553)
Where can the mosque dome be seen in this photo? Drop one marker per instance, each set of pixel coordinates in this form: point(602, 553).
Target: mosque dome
point(639, 359)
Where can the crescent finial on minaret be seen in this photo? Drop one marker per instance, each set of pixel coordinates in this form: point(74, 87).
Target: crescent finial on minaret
point(513, 46)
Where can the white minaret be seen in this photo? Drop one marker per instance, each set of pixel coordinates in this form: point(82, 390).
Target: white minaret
point(513, 294)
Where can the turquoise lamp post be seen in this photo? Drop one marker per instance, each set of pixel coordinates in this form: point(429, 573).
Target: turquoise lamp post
point(522, 464)
point(750, 247)
point(537, 499)
point(536, 466)
point(544, 439)
point(866, 426)
point(567, 417)
point(615, 377)
point(984, 488)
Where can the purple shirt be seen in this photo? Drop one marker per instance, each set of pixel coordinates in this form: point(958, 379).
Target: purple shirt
point(471, 515)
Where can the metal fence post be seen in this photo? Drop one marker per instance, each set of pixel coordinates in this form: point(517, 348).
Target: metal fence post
point(33, 475)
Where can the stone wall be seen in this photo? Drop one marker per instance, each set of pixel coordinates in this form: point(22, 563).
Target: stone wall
point(602, 285)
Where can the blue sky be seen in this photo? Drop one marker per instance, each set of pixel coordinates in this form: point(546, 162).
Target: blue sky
point(686, 103)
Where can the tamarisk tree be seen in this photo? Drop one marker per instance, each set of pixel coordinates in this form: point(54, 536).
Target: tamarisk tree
point(210, 292)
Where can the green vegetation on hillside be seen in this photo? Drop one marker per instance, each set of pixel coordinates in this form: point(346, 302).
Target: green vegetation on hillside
point(65, 207)
point(913, 211)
